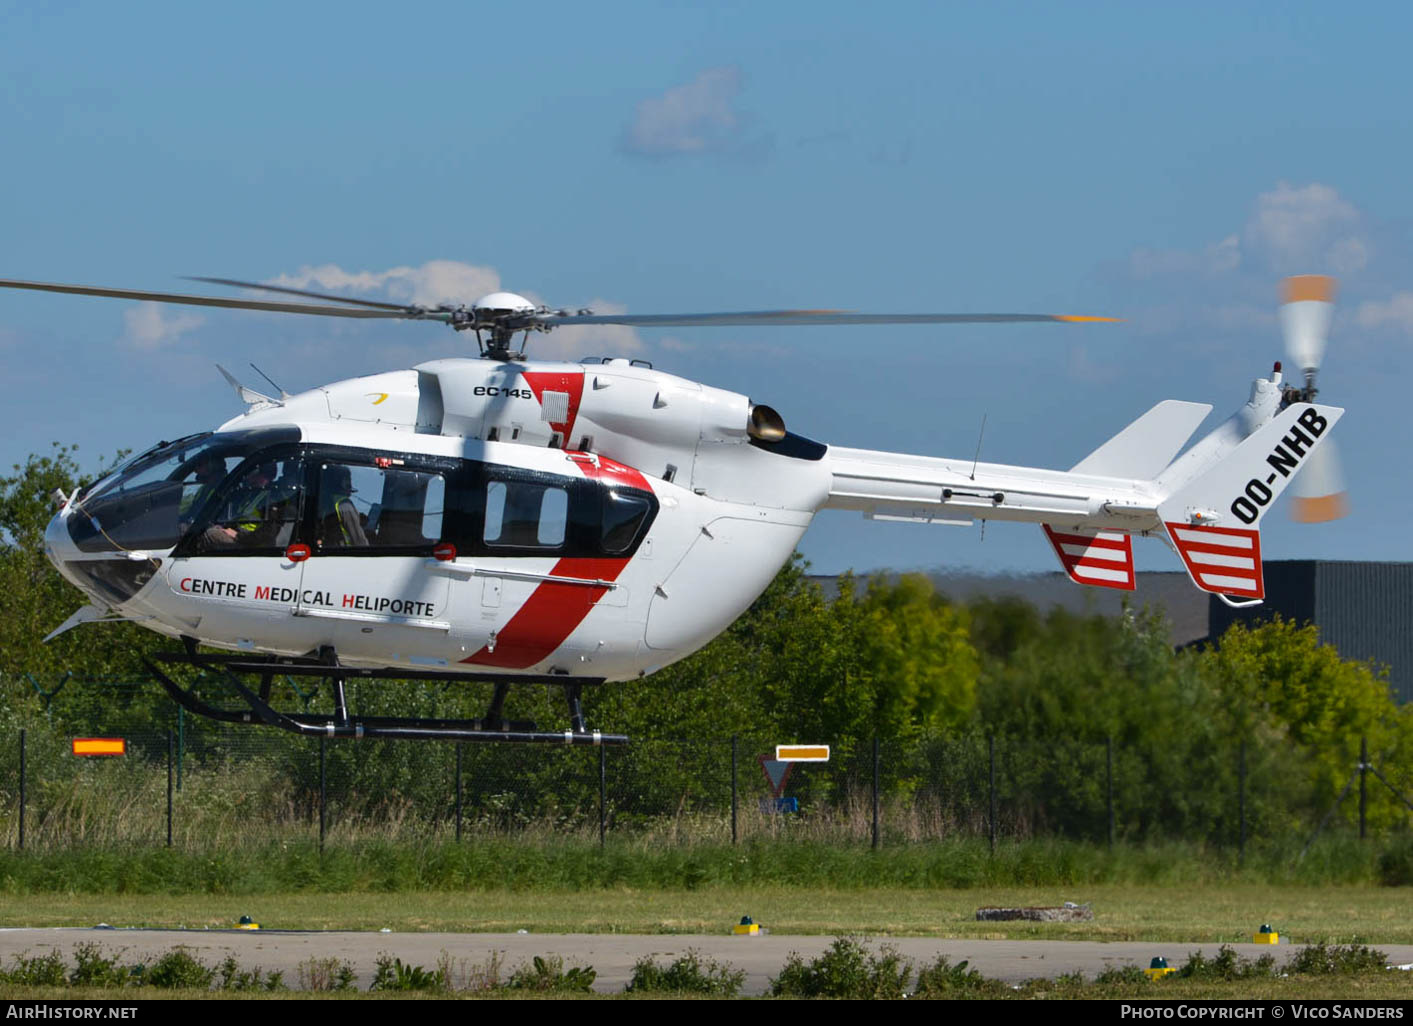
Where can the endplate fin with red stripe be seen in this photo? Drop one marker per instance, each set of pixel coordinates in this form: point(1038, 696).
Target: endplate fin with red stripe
point(1103, 559)
point(1220, 560)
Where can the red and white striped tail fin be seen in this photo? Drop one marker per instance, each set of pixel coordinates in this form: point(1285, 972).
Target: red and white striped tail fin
point(1103, 559)
point(1221, 560)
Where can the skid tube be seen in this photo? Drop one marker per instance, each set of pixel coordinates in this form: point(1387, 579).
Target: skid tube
point(491, 728)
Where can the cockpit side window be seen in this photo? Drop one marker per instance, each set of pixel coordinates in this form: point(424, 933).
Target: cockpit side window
point(153, 502)
point(257, 512)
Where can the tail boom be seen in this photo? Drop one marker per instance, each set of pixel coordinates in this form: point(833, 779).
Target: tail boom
point(1207, 504)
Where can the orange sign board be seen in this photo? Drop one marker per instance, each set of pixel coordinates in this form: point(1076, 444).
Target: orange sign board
point(100, 746)
point(802, 753)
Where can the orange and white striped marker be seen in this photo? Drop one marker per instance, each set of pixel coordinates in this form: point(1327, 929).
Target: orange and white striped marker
point(801, 753)
point(100, 746)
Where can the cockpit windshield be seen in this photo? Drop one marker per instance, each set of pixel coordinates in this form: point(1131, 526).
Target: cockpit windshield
point(152, 500)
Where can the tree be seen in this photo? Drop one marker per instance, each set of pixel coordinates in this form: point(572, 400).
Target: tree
point(34, 600)
point(1277, 679)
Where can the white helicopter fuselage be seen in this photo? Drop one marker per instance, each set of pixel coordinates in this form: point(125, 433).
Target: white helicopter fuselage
point(658, 510)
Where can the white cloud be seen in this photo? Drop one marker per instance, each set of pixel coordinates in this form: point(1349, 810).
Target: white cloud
point(1348, 255)
point(1397, 312)
point(436, 281)
point(576, 341)
point(1218, 258)
point(1292, 229)
point(1306, 227)
point(694, 118)
point(150, 325)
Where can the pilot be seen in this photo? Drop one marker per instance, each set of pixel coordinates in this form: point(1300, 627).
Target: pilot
point(340, 526)
point(246, 512)
point(209, 472)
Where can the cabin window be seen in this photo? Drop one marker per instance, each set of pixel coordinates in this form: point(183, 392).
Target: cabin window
point(374, 509)
point(525, 515)
point(623, 518)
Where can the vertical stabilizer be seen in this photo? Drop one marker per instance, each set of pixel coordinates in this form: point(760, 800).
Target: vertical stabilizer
point(1213, 519)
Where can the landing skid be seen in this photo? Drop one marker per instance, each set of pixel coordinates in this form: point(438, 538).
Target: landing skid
point(492, 727)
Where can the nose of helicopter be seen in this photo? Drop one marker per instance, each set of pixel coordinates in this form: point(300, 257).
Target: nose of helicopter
point(59, 544)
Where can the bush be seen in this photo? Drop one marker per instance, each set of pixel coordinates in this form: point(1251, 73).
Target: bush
point(393, 974)
point(233, 977)
point(847, 970)
point(1324, 960)
point(690, 974)
point(1396, 864)
point(178, 970)
point(324, 974)
point(1124, 974)
point(941, 979)
point(549, 974)
point(38, 971)
point(1226, 966)
point(94, 969)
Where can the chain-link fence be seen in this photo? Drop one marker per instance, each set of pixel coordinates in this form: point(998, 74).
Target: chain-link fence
point(225, 784)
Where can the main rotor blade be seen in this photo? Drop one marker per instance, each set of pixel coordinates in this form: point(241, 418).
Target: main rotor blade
point(234, 304)
point(298, 292)
point(795, 317)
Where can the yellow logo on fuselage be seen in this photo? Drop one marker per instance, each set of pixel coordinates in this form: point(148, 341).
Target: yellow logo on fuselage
point(381, 396)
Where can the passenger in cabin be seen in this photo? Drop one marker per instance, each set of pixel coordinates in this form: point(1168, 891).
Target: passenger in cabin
point(339, 523)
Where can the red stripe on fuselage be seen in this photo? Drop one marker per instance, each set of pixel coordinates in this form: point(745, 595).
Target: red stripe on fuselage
point(554, 610)
point(550, 614)
point(555, 381)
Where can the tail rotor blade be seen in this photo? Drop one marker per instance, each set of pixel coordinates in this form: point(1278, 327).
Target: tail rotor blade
point(1306, 308)
point(1318, 489)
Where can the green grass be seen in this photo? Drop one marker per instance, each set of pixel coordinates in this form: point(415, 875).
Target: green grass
point(1206, 914)
point(519, 863)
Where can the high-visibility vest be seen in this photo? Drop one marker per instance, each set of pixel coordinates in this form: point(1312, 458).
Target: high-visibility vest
point(338, 514)
point(249, 515)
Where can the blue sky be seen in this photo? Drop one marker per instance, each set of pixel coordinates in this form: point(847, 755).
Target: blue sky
point(1164, 165)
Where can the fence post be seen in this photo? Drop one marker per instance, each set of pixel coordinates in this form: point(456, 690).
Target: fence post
point(22, 789)
point(1109, 782)
point(181, 743)
point(735, 740)
point(603, 794)
point(171, 747)
point(323, 793)
point(458, 790)
point(991, 757)
point(1241, 804)
point(875, 792)
point(1363, 772)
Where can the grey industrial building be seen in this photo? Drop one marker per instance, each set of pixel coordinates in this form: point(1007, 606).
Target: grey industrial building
point(1365, 610)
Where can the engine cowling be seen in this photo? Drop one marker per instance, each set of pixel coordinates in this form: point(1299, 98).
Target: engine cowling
point(667, 427)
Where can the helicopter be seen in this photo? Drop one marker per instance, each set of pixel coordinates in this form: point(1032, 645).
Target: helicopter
point(501, 520)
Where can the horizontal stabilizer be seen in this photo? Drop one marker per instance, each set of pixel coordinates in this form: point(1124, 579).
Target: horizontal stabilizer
point(1147, 445)
point(1101, 558)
